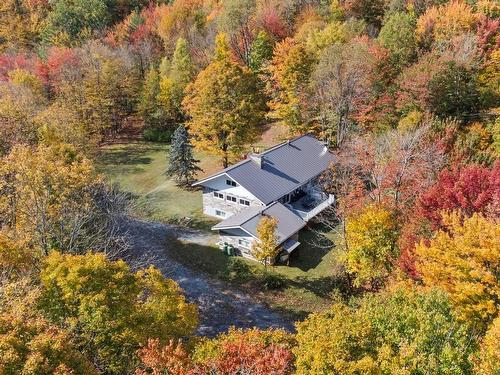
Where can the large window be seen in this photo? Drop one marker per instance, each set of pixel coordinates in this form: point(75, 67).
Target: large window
point(244, 202)
point(218, 195)
point(244, 243)
point(230, 198)
point(220, 213)
point(230, 183)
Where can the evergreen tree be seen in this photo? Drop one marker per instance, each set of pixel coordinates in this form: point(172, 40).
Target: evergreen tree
point(176, 76)
point(182, 164)
point(148, 105)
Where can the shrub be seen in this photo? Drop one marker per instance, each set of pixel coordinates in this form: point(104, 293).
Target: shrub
point(238, 270)
point(153, 134)
point(273, 281)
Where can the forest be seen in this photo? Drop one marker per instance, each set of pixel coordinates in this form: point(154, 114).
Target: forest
point(405, 93)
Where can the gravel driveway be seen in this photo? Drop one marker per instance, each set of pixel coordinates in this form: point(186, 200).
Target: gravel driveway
point(220, 306)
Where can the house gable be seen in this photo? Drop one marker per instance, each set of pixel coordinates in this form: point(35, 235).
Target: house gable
point(220, 183)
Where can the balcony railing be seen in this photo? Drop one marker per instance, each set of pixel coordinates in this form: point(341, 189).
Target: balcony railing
point(306, 215)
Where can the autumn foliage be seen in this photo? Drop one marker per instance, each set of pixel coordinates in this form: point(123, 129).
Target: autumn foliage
point(405, 95)
point(238, 351)
point(470, 189)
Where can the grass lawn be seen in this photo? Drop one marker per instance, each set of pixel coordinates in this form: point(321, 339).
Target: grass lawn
point(138, 169)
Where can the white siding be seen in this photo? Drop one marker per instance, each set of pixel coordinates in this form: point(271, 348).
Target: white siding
point(219, 184)
point(232, 236)
point(211, 204)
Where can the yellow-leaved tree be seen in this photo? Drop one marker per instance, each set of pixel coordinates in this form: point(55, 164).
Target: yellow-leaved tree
point(265, 249)
point(225, 105)
point(442, 23)
point(40, 188)
point(488, 362)
point(112, 310)
point(464, 260)
point(53, 198)
point(371, 243)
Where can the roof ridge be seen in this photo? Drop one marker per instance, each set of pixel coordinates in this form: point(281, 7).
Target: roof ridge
point(247, 159)
point(284, 143)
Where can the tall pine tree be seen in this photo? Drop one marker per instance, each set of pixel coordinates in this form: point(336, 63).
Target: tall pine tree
point(174, 81)
point(182, 164)
point(148, 106)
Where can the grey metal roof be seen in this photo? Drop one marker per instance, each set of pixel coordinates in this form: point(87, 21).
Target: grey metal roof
point(248, 219)
point(290, 245)
point(239, 218)
point(285, 168)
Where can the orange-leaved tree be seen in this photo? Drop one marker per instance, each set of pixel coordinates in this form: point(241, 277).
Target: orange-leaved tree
point(463, 259)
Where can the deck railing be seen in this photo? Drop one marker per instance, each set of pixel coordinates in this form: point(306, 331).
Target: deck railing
point(308, 215)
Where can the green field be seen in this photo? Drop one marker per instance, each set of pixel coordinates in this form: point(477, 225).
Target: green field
point(310, 282)
point(138, 169)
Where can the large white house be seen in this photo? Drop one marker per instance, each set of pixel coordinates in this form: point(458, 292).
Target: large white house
point(282, 182)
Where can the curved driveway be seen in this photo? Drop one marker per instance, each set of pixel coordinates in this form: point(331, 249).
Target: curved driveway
point(220, 306)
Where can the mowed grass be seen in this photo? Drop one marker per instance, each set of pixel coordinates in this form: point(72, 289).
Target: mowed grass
point(139, 169)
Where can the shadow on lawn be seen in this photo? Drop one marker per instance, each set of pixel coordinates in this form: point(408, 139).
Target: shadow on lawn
point(131, 154)
point(313, 248)
point(207, 259)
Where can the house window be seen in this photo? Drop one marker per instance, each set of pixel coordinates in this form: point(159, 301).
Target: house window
point(230, 183)
point(220, 213)
point(244, 202)
point(218, 195)
point(230, 198)
point(244, 243)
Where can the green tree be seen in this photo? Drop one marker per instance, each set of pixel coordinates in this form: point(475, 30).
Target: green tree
point(454, 93)
point(398, 36)
point(181, 163)
point(261, 52)
point(265, 248)
point(149, 106)
point(224, 105)
point(74, 20)
point(398, 332)
point(371, 244)
point(111, 310)
point(179, 74)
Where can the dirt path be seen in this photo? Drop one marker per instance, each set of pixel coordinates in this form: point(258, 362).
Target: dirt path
point(220, 306)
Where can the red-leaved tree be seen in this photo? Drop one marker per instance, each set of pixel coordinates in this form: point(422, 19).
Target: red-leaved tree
point(252, 351)
point(470, 189)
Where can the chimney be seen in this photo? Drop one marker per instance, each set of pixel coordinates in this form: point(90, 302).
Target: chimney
point(257, 159)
